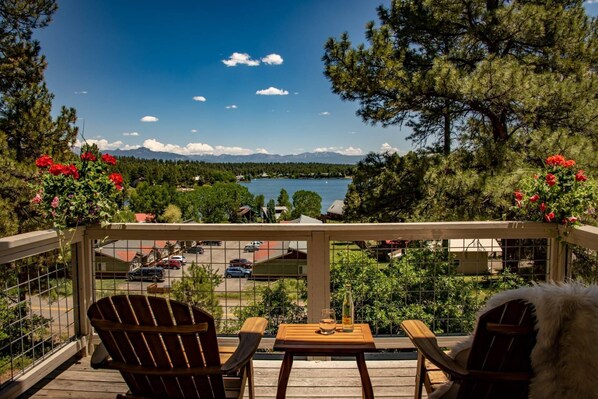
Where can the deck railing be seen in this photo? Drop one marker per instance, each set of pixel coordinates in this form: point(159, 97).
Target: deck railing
point(47, 300)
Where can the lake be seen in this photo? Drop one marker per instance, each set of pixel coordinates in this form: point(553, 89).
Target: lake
point(329, 189)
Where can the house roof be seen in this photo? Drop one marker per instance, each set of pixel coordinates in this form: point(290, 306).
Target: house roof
point(305, 219)
point(243, 210)
point(144, 217)
point(337, 207)
point(127, 250)
point(270, 250)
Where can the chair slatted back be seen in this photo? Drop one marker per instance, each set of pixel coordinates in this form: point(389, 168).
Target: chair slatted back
point(165, 361)
point(503, 342)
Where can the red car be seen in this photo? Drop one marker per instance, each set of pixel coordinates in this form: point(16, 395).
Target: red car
point(245, 263)
point(171, 264)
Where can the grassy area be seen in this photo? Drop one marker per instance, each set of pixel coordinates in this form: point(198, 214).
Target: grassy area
point(106, 287)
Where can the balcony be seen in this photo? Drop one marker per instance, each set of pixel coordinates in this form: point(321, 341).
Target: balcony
point(46, 291)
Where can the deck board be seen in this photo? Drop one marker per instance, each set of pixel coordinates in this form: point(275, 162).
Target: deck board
point(309, 379)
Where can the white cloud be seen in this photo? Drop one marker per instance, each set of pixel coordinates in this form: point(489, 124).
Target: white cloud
point(231, 106)
point(272, 59)
point(388, 148)
point(240, 59)
point(295, 93)
point(591, 2)
point(149, 118)
point(193, 130)
point(104, 145)
point(195, 148)
point(201, 99)
point(325, 113)
point(261, 151)
point(81, 92)
point(340, 150)
point(272, 91)
point(130, 134)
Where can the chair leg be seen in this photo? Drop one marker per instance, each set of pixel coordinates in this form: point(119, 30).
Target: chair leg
point(420, 374)
point(250, 386)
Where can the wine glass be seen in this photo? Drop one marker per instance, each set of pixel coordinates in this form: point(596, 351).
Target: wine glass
point(327, 322)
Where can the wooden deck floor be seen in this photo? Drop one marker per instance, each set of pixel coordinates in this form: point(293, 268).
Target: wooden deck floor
point(309, 379)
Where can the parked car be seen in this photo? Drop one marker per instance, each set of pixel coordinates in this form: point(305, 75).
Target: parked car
point(245, 263)
point(256, 243)
point(154, 274)
point(180, 258)
point(237, 271)
point(171, 264)
point(212, 242)
point(251, 248)
point(195, 250)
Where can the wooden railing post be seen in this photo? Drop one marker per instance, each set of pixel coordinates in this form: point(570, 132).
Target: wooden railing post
point(557, 269)
point(83, 287)
point(318, 275)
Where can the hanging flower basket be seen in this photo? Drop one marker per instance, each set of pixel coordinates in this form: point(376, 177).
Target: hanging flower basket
point(81, 193)
point(560, 193)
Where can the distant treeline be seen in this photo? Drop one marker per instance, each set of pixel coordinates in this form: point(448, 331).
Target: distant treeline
point(190, 173)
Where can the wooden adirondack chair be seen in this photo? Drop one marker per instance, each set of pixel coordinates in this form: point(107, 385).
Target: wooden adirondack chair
point(498, 364)
point(165, 348)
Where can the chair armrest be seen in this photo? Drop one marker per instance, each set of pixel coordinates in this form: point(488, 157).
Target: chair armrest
point(249, 339)
point(425, 342)
point(100, 356)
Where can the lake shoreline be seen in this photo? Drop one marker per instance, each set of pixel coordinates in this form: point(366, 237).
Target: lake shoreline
point(329, 189)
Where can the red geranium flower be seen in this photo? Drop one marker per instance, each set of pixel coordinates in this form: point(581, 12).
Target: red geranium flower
point(534, 198)
point(71, 170)
point(88, 156)
point(555, 160)
point(109, 159)
point(571, 219)
point(579, 176)
point(117, 179)
point(569, 163)
point(56, 169)
point(549, 217)
point(542, 207)
point(550, 179)
point(44, 161)
point(518, 195)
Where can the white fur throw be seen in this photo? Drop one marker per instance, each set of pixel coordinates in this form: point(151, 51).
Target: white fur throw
point(565, 357)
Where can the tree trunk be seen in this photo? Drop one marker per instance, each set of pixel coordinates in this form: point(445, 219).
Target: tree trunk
point(447, 132)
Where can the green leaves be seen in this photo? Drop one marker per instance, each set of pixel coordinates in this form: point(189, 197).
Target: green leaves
point(510, 67)
point(27, 127)
point(422, 285)
point(306, 203)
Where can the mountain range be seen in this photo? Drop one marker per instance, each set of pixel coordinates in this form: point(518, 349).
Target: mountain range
point(306, 157)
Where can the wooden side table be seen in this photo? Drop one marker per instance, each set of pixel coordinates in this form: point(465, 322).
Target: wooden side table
point(306, 340)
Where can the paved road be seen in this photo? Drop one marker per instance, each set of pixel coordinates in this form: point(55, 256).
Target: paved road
point(216, 257)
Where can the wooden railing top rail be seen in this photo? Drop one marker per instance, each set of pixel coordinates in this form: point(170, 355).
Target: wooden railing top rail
point(36, 242)
point(335, 231)
point(584, 236)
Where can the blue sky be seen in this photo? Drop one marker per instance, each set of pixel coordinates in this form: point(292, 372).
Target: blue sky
point(210, 77)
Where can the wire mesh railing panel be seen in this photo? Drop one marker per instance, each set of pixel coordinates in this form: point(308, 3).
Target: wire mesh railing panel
point(232, 280)
point(443, 282)
point(583, 264)
point(37, 312)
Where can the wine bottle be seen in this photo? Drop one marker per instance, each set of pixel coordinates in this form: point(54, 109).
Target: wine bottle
point(348, 310)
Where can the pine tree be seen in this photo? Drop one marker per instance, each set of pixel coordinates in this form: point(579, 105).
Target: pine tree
point(27, 129)
point(485, 72)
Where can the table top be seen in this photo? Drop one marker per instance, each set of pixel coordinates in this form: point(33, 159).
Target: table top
point(306, 338)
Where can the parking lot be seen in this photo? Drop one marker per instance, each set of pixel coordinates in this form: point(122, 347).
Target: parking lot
point(216, 257)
